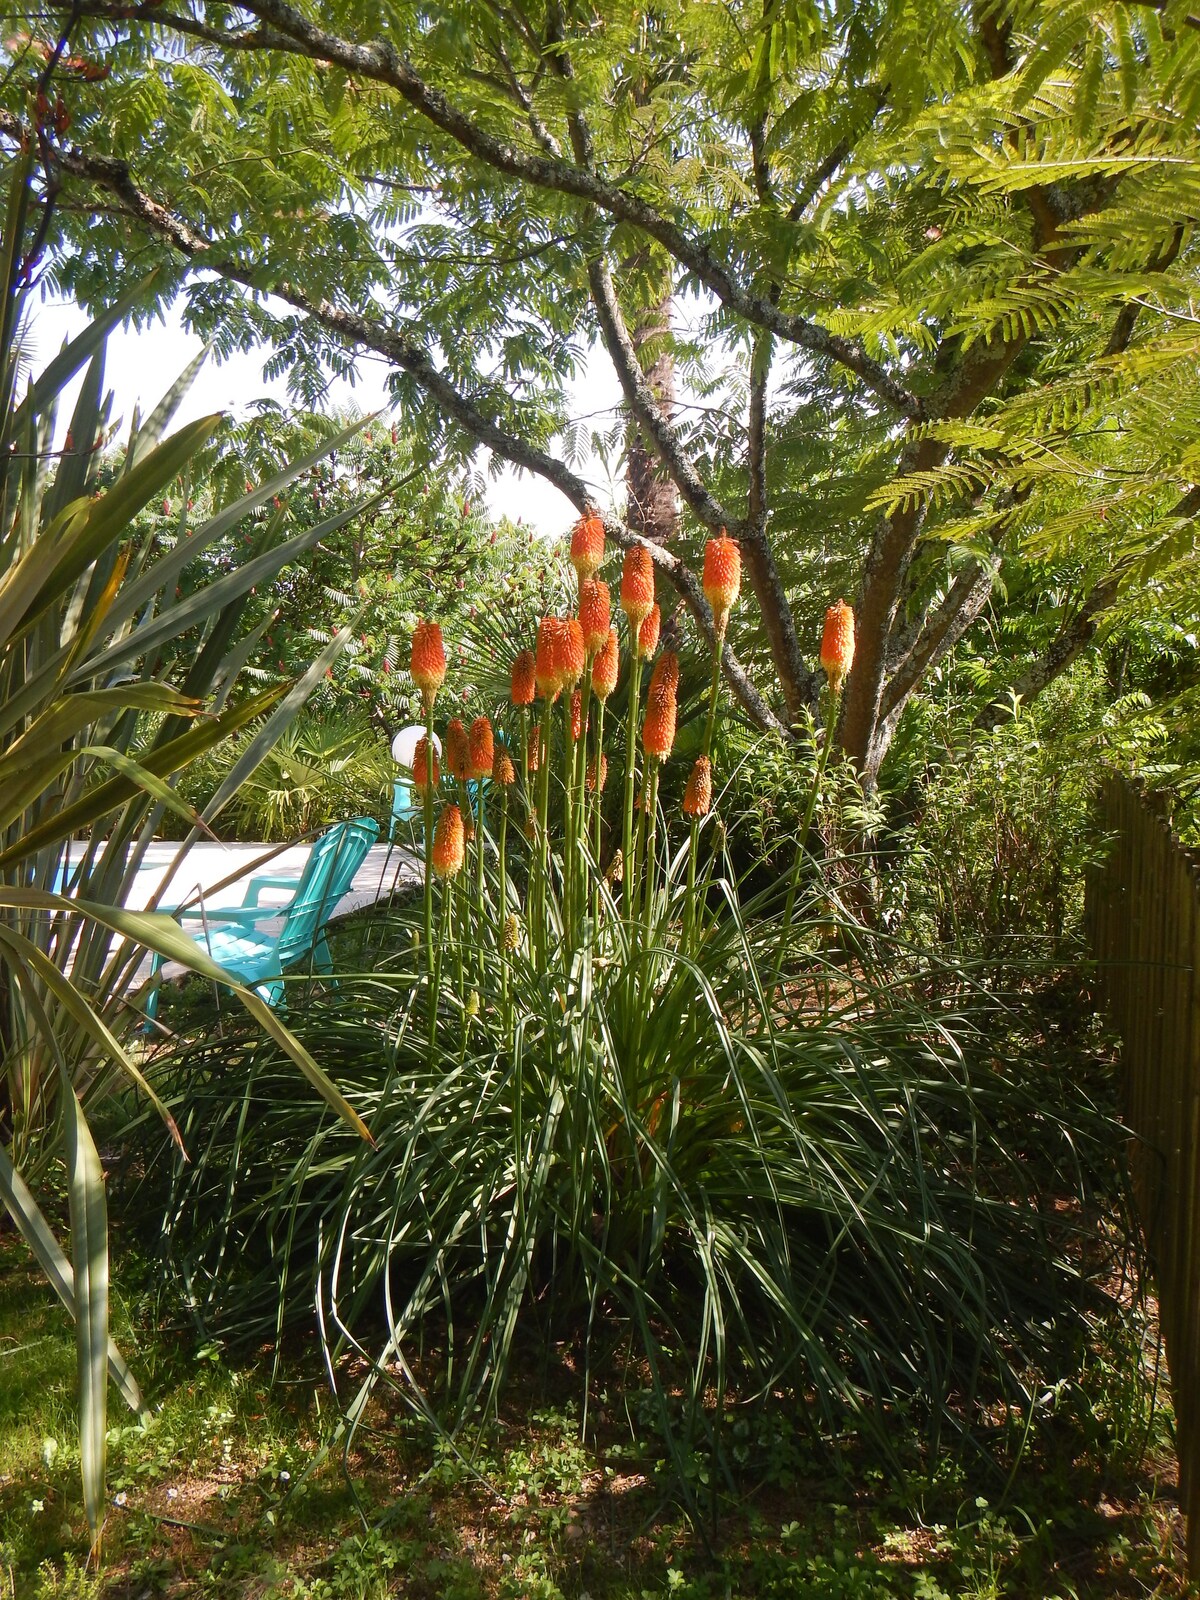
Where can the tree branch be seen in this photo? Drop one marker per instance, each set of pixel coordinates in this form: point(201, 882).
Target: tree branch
point(1072, 638)
point(944, 627)
point(801, 686)
point(641, 400)
point(822, 174)
point(285, 29)
point(352, 327)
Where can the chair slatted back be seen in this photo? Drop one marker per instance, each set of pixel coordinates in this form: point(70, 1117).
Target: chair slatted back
point(332, 863)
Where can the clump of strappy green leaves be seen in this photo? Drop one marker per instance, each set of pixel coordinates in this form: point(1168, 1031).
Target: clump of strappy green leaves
point(119, 659)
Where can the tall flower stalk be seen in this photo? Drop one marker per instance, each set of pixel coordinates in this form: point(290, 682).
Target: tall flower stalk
point(505, 776)
point(446, 857)
point(637, 602)
point(428, 667)
point(722, 584)
point(605, 670)
point(837, 657)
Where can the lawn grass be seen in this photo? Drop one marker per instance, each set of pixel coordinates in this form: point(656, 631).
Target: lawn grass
point(227, 1493)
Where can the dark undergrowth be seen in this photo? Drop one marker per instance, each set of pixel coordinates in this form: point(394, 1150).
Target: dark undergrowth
point(244, 1489)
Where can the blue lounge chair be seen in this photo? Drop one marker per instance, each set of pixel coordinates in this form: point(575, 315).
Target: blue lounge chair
point(258, 956)
point(405, 808)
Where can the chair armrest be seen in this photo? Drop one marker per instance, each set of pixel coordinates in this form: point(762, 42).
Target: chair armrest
point(269, 880)
point(218, 914)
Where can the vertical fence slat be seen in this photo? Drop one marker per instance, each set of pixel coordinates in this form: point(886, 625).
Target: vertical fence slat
point(1143, 920)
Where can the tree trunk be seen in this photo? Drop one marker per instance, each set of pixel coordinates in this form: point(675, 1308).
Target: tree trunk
point(653, 502)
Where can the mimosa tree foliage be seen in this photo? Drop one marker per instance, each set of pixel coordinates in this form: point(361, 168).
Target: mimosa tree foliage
point(934, 264)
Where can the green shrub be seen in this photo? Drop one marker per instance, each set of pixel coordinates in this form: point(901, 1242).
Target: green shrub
point(323, 768)
point(844, 1196)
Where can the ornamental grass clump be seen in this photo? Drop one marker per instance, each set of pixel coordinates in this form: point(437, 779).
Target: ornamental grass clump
point(617, 1128)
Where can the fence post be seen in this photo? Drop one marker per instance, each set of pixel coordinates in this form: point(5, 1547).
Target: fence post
point(1143, 920)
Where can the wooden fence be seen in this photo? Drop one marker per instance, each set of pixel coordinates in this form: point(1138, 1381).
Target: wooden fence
point(1143, 908)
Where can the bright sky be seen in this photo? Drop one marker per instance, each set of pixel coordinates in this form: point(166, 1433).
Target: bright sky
point(142, 365)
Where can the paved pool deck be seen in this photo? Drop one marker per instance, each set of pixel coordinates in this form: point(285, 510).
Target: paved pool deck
point(385, 871)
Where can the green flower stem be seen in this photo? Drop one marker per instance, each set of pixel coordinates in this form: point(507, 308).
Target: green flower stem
point(598, 819)
point(480, 836)
point(635, 690)
point(570, 762)
point(525, 763)
point(542, 840)
point(581, 764)
point(689, 905)
point(427, 804)
point(802, 841)
point(444, 934)
point(650, 808)
point(503, 901)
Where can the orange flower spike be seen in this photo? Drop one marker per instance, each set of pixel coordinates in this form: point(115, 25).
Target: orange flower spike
point(570, 653)
point(428, 664)
point(647, 636)
point(637, 586)
point(481, 748)
point(524, 681)
point(591, 774)
point(420, 767)
point(449, 843)
point(503, 770)
point(697, 797)
point(576, 715)
point(658, 728)
point(545, 663)
point(837, 644)
point(595, 608)
point(535, 749)
point(458, 751)
point(587, 546)
point(606, 667)
point(722, 577)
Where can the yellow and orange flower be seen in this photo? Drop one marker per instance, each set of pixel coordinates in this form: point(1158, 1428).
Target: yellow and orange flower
point(647, 634)
point(591, 774)
point(449, 843)
point(587, 545)
point(524, 681)
point(606, 667)
point(595, 607)
point(481, 748)
point(502, 770)
point(428, 663)
point(697, 797)
point(637, 586)
point(722, 577)
point(658, 728)
point(458, 751)
point(837, 644)
point(420, 767)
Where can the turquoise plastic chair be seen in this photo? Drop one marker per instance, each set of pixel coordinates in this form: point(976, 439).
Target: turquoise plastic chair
point(258, 957)
point(404, 807)
point(351, 840)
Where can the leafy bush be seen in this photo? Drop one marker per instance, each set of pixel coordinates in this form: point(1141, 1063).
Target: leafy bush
point(1002, 829)
point(853, 1208)
point(321, 769)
